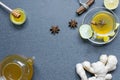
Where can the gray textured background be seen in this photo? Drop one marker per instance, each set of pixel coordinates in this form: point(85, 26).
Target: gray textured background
point(56, 56)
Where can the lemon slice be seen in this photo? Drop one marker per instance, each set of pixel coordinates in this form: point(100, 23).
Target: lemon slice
point(85, 31)
point(111, 4)
point(99, 37)
point(117, 25)
point(112, 34)
point(106, 38)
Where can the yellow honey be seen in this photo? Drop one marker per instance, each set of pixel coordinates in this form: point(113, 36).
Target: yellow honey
point(18, 20)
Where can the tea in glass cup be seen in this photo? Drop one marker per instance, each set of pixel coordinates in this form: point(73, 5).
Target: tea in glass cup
point(103, 23)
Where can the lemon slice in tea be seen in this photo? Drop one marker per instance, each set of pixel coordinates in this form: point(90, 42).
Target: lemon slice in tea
point(106, 38)
point(85, 31)
point(117, 25)
point(111, 4)
point(112, 34)
point(99, 37)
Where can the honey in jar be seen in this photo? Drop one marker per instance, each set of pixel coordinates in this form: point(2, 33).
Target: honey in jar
point(18, 20)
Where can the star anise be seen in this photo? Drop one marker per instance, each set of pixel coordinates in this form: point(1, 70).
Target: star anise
point(73, 24)
point(54, 30)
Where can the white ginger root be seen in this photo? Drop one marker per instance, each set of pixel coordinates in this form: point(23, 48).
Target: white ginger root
point(92, 78)
point(108, 77)
point(112, 62)
point(81, 72)
point(104, 58)
point(99, 68)
point(87, 66)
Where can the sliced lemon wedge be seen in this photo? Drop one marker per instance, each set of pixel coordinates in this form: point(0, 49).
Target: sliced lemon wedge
point(117, 25)
point(106, 38)
point(85, 31)
point(111, 4)
point(99, 37)
point(112, 34)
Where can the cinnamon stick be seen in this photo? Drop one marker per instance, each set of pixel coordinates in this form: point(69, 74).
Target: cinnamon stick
point(82, 8)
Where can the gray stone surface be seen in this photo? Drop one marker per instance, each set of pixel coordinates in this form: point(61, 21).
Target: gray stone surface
point(56, 55)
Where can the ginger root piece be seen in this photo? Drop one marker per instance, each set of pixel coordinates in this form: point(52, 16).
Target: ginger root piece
point(79, 69)
point(111, 64)
point(100, 68)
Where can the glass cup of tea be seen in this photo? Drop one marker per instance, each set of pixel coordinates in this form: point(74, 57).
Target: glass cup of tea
point(16, 67)
point(103, 23)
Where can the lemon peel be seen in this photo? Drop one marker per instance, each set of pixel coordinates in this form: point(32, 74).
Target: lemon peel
point(117, 25)
point(99, 37)
point(112, 34)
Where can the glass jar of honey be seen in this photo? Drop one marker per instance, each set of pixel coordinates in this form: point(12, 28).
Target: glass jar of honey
point(18, 20)
point(15, 67)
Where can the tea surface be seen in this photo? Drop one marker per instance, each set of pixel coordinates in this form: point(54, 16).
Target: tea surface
point(12, 71)
point(105, 23)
